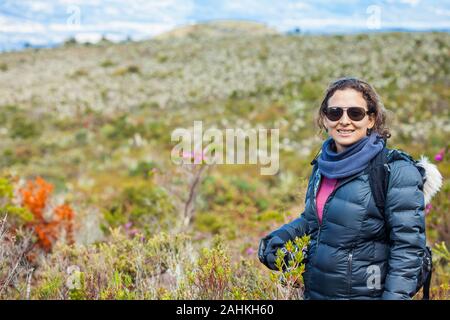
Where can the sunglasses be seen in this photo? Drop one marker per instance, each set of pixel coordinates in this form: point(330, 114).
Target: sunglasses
point(354, 113)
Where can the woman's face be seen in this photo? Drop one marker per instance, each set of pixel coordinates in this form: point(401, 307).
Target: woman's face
point(346, 131)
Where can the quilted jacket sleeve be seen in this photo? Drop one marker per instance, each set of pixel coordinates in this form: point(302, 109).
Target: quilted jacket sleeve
point(269, 245)
point(405, 220)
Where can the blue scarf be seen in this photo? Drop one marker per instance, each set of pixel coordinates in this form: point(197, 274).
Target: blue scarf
point(352, 160)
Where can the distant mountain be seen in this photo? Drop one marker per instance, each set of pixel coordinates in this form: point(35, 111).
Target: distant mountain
point(219, 28)
point(335, 31)
point(213, 28)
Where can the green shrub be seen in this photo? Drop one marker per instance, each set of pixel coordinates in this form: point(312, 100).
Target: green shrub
point(107, 63)
point(211, 277)
point(143, 169)
point(17, 216)
point(122, 268)
point(23, 128)
point(162, 58)
point(49, 288)
point(79, 73)
point(146, 205)
point(208, 222)
point(127, 70)
point(271, 216)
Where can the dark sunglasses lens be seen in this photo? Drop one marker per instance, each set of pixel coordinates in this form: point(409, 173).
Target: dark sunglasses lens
point(356, 113)
point(334, 114)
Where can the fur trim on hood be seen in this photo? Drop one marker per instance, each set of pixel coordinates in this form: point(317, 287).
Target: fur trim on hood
point(433, 178)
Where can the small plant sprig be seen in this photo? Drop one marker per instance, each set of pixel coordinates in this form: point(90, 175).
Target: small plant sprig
point(290, 264)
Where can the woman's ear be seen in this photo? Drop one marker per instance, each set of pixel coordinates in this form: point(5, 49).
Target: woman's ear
point(371, 121)
point(324, 126)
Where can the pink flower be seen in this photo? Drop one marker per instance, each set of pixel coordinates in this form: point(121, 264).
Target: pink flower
point(440, 155)
point(428, 208)
point(187, 155)
point(128, 225)
point(250, 251)
point(198, 157)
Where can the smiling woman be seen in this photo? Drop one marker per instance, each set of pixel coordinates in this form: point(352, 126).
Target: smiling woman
point(350, 110)
point(364, 206)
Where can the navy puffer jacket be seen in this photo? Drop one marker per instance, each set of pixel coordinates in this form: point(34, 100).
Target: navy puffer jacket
point(356, 252)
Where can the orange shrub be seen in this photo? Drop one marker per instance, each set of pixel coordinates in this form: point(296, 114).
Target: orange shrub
point(35, 196)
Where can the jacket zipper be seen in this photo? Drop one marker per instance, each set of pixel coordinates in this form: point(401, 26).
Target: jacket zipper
point(316, 187)
point(325, 207)
point(349, 270)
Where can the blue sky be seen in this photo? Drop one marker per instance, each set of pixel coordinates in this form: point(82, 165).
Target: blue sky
point(48, 22)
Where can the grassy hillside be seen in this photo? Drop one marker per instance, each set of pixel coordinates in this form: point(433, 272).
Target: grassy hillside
point(95, 121)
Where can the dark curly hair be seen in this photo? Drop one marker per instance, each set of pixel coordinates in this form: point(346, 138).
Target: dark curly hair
point(369, 94)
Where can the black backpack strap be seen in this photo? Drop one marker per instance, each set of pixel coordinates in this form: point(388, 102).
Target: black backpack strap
point(429, 272)
point(426, 287)
point(379, 173)
point(379, 178)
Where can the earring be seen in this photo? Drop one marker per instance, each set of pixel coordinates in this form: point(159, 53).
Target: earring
point(326, 129)
point(369, 131)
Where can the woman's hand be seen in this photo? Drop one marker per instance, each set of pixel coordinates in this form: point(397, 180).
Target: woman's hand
point(269, 245)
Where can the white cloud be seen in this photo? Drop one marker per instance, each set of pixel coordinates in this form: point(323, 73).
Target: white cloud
point(411, 2)
point(114, 19)
point(299, 6)
point(91, 37)
point(139, 19)
point(42, 7)
point(442, 12)
point(114, 26)
point(8, 25)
